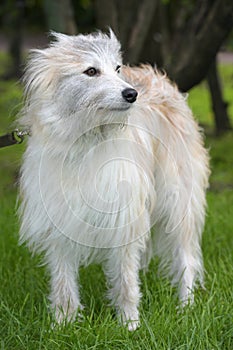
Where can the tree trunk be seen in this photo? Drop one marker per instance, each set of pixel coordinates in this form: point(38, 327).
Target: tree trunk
point(60, 16)
point(187, 38)
point(130, 20)
point(200, 43)
point(222, 121)
point(14, 21)
point(106, 15)
point(139, 30)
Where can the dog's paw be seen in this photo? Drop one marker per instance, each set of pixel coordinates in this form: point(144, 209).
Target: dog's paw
point(186, 298)
point(69, 314)
point(133, 325)
point(130, 319)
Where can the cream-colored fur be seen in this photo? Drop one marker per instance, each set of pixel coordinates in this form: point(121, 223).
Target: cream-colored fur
point(99, 172)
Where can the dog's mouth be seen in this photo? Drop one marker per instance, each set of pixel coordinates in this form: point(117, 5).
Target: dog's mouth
point(120, 109)
point(115, 109)
point(115, 106)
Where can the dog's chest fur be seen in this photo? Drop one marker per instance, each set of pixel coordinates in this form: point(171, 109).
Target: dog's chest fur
point(97, 194)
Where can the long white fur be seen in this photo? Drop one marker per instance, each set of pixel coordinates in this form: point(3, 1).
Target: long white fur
point(100, 172)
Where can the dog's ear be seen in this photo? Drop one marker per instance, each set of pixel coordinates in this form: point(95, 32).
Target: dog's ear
point(56, 37)
point(112, 34)
point(39, 73)
point(115, 42)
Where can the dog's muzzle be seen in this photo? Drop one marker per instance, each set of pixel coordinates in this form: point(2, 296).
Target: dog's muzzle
point(130, 95)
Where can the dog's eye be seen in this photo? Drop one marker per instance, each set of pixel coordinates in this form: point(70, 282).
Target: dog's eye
point(91, 72)
point(118, 68)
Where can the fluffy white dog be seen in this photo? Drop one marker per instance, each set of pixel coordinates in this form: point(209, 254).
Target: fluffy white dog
point(113, 151)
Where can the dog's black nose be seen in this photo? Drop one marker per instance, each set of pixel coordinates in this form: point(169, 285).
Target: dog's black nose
point(130, 95)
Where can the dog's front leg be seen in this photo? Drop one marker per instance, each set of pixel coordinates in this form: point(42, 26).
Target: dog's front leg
point(64, 294)
point(122, 273)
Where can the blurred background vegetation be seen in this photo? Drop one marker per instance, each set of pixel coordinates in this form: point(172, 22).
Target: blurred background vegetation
point(183, 37)
point(192, 40)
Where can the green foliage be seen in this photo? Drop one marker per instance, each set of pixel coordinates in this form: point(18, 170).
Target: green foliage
point(25, 322)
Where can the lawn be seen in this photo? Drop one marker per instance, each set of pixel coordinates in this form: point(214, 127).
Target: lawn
point(24, 319)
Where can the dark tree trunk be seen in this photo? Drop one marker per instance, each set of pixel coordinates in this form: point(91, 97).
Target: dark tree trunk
point(130, 20)
point(139, 30)
point(222, 121)
point(187, 37)
point(190, 65)
point(60, 16)
point(14, 22)
point(106, 15)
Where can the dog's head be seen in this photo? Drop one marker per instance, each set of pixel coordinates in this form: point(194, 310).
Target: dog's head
point(76, 76)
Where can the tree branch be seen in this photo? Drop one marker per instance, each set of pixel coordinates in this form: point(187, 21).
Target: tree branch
point(190, 64)
point(139, 31)
point(106, 15)
point(221, 118)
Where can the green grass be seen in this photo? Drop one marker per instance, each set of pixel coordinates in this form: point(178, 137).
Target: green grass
point(25, 322)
